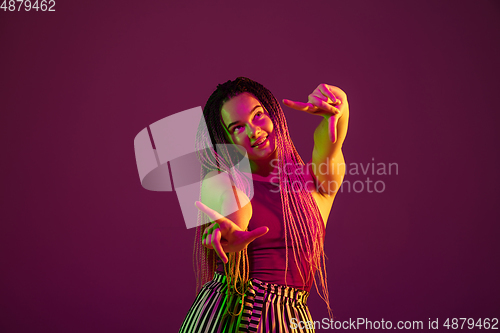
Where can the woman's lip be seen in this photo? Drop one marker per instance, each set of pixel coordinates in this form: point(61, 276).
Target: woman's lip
point(262, 143)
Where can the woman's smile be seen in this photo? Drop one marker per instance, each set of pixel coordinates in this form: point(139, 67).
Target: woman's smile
point(261, 142)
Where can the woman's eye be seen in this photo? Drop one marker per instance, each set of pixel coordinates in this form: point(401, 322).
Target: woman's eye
point(237, 128)
point(258, 114)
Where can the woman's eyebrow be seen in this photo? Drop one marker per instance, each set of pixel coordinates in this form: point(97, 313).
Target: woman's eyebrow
point(235, 122)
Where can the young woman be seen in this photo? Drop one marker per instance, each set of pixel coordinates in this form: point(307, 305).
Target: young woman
point(262, 252)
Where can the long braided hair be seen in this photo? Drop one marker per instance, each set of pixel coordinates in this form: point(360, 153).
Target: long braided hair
point(302, 220)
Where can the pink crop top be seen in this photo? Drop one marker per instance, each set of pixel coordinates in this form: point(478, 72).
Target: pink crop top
point(267, 255)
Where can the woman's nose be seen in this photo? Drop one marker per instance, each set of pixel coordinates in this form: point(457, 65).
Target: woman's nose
point(253, 131)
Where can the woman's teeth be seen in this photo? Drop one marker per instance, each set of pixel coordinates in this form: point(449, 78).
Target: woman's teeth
point(263, 141)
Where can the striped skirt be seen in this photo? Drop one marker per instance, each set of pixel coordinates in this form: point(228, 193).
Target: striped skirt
point(267, 308)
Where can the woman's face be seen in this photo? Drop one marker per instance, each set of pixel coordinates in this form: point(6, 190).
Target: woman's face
point(247, 124)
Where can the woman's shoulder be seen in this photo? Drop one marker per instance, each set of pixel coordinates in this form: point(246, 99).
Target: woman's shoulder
point(219, 193)
point(217, 184)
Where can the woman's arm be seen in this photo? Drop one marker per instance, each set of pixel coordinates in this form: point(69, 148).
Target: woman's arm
point(327, 156)
point(327, 163)
point(221, 195)
point(227, 232)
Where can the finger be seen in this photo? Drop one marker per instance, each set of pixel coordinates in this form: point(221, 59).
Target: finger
point(321, 104)
point(212, 214)
point(208, 242)
point(205, 236)
point(325, 90)
point(332, 128)
point(204, 240)
point(208, 230)
point(216, 237)
point(256, 233)
point(339, 93)
point(299, 105)
point(319, 95)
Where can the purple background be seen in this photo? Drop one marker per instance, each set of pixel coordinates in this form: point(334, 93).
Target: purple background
point(84, 248)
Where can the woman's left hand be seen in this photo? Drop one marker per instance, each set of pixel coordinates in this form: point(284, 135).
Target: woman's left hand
point(327, 101)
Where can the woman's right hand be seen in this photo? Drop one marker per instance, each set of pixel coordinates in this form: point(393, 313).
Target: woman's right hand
point(223, 235)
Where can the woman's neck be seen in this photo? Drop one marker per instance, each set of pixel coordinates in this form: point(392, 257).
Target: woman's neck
point(264, 168)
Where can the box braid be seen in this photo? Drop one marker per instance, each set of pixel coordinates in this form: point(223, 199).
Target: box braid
point(302, 219)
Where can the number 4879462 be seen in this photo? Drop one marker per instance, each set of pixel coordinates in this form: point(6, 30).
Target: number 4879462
point(27, 5)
